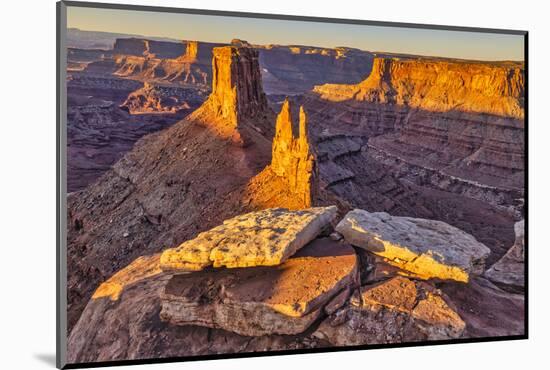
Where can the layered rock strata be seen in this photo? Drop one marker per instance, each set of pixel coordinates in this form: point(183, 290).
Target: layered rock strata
point(509, 271)
point(150, 48)
point(424, 248)
point(290, 181)
point(438, 86)
point(237, 97)
point(263, 238)
point(191, 66)
point(262, 300)
point(129, 328)
point(452, 145)
point(153, 99)
point(398, 310)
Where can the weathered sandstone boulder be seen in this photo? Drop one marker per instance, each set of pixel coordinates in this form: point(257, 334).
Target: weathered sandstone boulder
point(422, 248)
point(284, 299)
point(129, 327)
point(395, 311)
point(264, 238)
point(509, 271)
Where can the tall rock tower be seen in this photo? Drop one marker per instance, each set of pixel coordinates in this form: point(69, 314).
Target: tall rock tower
point(290, 181)
point(237, 97)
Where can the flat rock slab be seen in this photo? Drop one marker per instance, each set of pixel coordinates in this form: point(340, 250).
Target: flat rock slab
point(509, 271)
point(129, 327)
point(264, 238)
point(284, 299)
point(422, 248)
point(395, 311)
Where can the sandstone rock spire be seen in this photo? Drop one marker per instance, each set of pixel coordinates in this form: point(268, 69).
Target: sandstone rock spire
point(191, 50)
point(290, 181)
point(237, 97)
point(291, 156)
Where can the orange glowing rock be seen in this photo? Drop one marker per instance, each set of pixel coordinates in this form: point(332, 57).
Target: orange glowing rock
point(421, 248)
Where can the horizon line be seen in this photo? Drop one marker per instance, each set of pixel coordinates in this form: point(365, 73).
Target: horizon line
point(175, 40)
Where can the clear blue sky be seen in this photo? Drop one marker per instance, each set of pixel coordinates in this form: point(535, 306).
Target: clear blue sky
point(466, 45)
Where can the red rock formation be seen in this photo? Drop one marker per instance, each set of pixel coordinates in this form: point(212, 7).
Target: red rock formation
point(237, 97)
point(290, 180)
point(291, 156)
point(431, 138)
point(191, 50)
point(438, 86)
point(191, 65)
point(154, 98)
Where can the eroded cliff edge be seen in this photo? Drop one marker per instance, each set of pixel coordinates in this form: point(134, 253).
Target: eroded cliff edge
point(433, 138)
point(438, 86)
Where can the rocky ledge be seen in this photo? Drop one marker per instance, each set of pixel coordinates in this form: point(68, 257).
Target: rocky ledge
point(396, 310)
point(289, 286)
point(285, 299)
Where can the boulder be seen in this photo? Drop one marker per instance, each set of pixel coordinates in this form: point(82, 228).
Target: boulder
point(422, 248)
point(508, 272)
point(284, 299)
point(264, 238)
point(398, 310)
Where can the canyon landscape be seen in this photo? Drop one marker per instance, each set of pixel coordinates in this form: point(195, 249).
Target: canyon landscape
point(242, 197)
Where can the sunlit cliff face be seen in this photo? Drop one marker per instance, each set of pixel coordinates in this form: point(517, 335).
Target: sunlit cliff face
point(438, 86)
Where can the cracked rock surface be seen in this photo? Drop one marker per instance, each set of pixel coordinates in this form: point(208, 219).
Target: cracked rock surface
point(264, 238)
point(423, 248)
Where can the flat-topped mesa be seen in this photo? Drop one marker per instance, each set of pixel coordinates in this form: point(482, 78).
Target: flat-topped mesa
point(237, 94)
point(292, 159)
point(439, 86)
point(147, 48)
